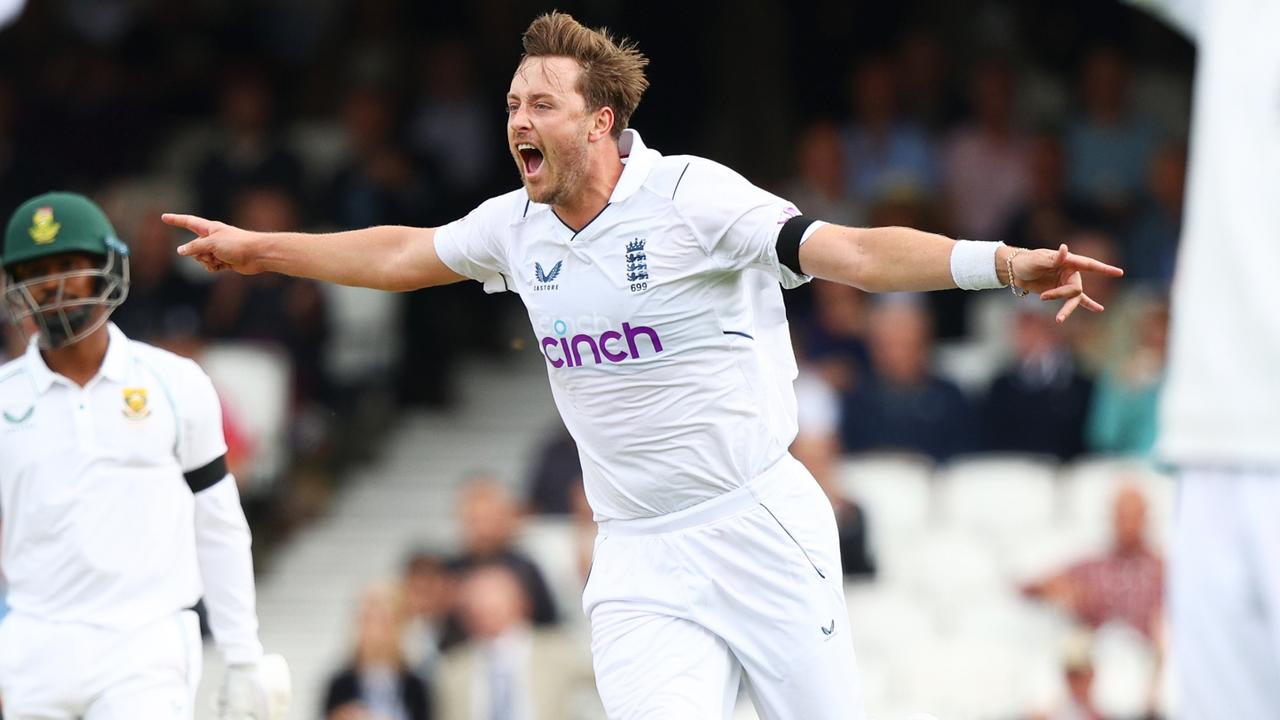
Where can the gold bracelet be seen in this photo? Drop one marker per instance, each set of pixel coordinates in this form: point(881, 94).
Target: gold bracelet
point(1017, 291)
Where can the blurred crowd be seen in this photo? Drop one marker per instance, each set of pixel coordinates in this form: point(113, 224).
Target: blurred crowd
point(1060, 124)
point(480, 633)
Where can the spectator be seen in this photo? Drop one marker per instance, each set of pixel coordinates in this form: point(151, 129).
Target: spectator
point(162, 302)
point(1152, 244)
point(1042, 377)
point(820, 186)
point(246, 154)
point(883, 151)
point(1108, 147)
point(379, 185)
point(377, 684)
point(835, 340)
point(452, 125)
point(1122, 416)
point(490, 520)
point(921, 73)
point(507, 669)
point(429, 594)
point(904, 405)
point(557, 473)
point(1048, 215)
point(1125, 584)
point(984, 163)
point(1077, 671)
point(269, 307)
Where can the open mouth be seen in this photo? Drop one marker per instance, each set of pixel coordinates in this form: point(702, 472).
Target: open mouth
point(531, 158)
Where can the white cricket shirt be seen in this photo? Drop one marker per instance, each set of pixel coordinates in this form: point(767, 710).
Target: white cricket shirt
point(98, 517)
point(661, 323)
point(1221, 404)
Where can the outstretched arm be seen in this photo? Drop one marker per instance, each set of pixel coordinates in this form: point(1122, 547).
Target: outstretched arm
point(387, 257)
point(890, 259)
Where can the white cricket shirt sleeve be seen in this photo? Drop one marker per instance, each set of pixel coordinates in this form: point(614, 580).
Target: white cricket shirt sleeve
point(473, 246)
point(737, 223)
point(222, 533)
point(200, 438)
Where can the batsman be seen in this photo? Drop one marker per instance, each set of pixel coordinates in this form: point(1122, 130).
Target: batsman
point(118, 510)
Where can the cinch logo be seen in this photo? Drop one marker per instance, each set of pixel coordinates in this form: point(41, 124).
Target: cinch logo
point(611, 345)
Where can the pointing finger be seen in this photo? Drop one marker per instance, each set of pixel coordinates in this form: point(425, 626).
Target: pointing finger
point(194, 223)
point(1088, 264)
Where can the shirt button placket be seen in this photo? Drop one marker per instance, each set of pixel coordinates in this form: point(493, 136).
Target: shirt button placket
point(84, 417)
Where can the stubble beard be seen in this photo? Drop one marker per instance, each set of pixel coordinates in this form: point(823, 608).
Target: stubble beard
point(571, 168)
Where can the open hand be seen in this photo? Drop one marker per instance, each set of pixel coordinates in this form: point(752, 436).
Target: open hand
point(1055, 274)
point(218, 246)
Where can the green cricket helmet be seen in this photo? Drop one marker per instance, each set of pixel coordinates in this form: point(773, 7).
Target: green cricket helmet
point(59, 223)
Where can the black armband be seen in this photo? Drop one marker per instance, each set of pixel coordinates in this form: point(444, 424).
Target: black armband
point(203, 478)
point(789, 238)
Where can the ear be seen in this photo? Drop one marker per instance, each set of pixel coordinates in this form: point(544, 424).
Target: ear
point(602, 124)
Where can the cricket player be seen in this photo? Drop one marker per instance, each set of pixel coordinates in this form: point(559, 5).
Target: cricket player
point(118, 510)
point(1220, 412)
point(653, 284)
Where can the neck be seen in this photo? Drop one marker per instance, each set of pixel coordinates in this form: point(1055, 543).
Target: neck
point(604, 168)
point(1130, 549)
point(81, 361)
point(369, 659)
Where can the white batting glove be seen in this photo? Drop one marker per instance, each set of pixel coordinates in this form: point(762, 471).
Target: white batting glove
point(258, 691)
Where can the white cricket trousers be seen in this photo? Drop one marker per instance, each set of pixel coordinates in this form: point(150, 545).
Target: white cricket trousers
point(67, 671)
point(683, 605)
point(1224, 595)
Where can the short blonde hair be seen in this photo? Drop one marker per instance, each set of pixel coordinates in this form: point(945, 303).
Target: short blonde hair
point(612, 71)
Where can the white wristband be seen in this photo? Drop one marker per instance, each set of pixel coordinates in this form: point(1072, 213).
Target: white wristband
point(973, 265)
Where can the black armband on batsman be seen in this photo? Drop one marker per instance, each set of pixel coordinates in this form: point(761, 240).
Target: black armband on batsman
point(203, 478)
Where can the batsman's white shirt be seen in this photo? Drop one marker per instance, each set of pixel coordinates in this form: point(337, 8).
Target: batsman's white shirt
point(661, 322)
point(100, 525)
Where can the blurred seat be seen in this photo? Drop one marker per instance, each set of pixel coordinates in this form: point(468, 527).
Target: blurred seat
point(886, 621)
point(364, 333)
point(960, 678)
point(1124, 664)
point(970, 364)
point(989, 316)
point(1028, 635)
point(893, 490)
point(1089, 486)
point(254, 382)
point(946, 566)
point(998, 494)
